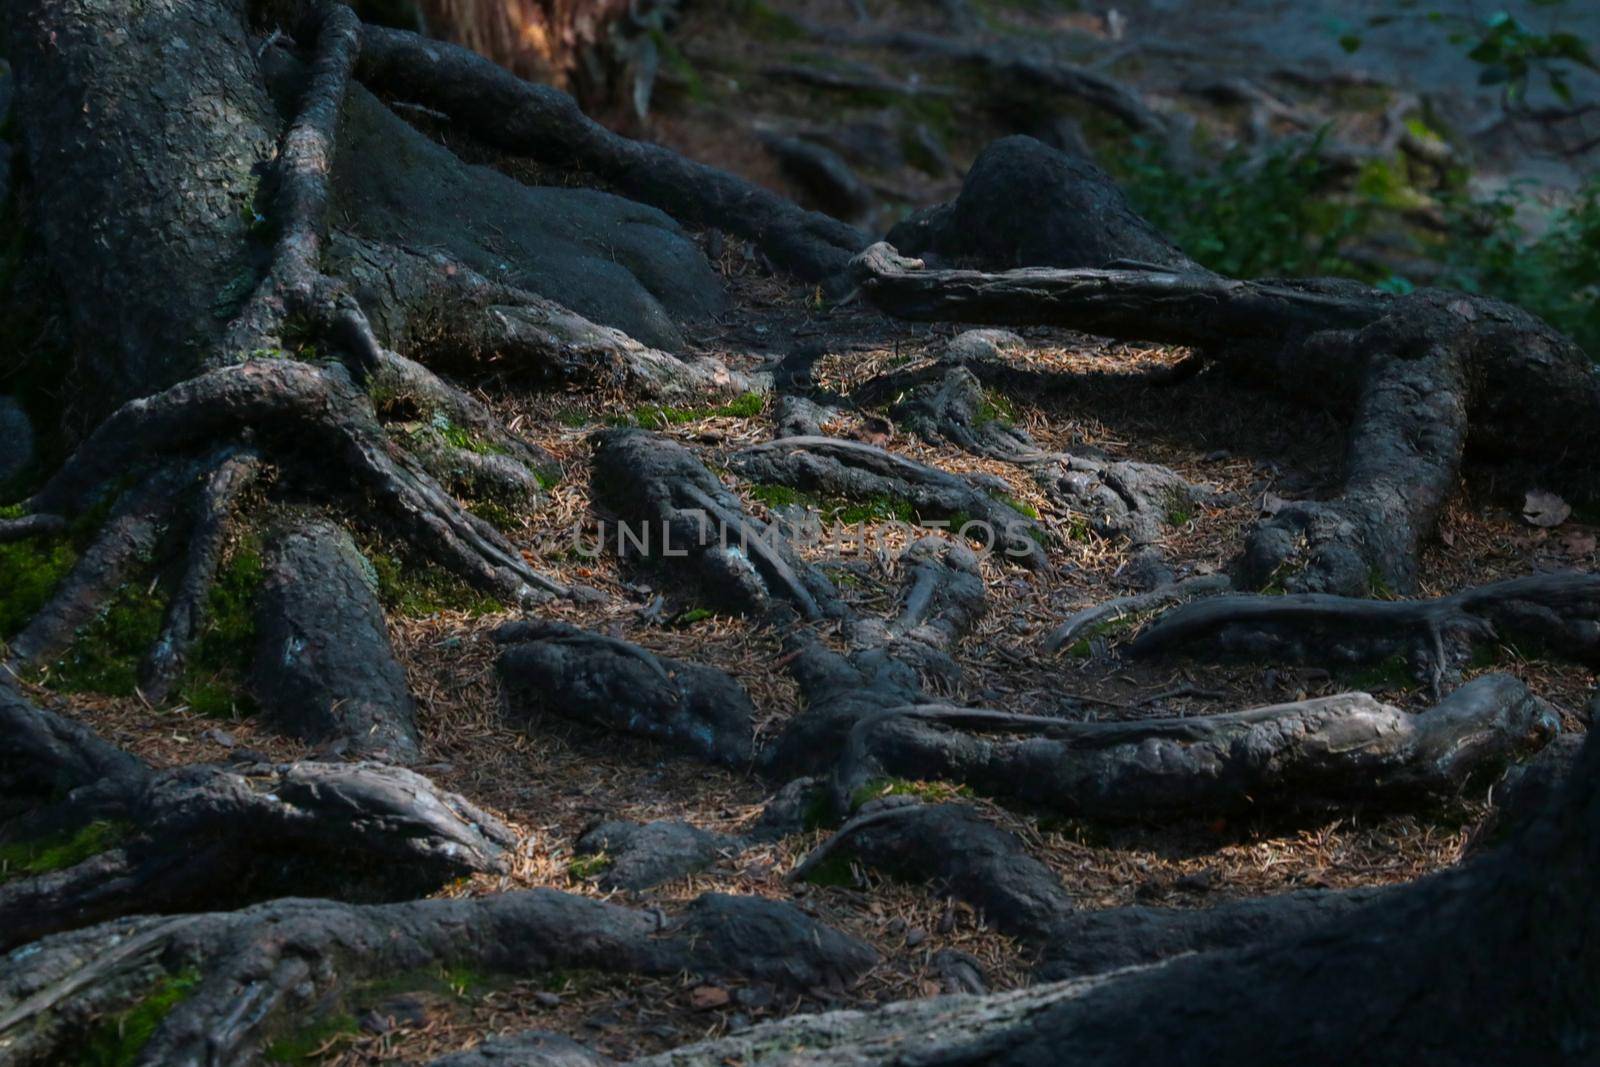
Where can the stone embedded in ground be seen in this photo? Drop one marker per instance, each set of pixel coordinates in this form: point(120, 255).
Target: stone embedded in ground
point(641, 855)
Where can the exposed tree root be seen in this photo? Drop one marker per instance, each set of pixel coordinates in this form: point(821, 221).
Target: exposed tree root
point(1559, 612)
point(1427, 365)
point(670, 505)
point(427, 302)
point(324, 669)
point(301, 407)
point(639, 856)
point(138, 522)
point(266, 969)
point(546, 125)
point(1087, 622)
point(554, 668)
point(208, 540)
point(837, 467)
point(959, 852)
point(46, 758)
point(1447, 999)
point(219, 837)
point(295, 284)
point(942, 598)
point(1330, 749)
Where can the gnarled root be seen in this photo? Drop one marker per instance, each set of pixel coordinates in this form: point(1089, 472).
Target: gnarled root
point(852, 469)
point(324, 669)
point(943, 596)
point(1347, 748)
point(300, 410)
point(554, 668)
point(544, 124)
point(210, 837)
point(1560, 612)
point(425, 301)
point(671, 506)
point(1086, 623)
point(255, 972)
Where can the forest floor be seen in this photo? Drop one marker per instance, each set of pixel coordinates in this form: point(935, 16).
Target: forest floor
point(551, 779)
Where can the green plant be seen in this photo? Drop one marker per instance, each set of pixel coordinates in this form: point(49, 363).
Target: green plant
point(60, 852)
point(584, 867)
point(118, 1040)
point(106, 655)
point(305, 1045)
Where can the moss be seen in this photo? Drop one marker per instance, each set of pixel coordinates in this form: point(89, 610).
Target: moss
point(305, 1045)
point(30, 570)
point(464, 439)
point(213, 684)
point(1019, 506)
point(996, 407)
point(692, 616)
point(118, 1040)
point(60, 852)
point(778, 496)
point(1083, 647)
point(495, 514)
point(1180, 511)
point(927, 792)
point(833, 870)
point(424, 589)
point(585, 867)
point(1392, 673)
point(744, 406)
point(106, 655)
point(877, 508)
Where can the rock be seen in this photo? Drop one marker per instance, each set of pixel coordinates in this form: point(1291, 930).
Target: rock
point(17, 448)
point(324, 669)
point(1025, 204)
point(959, 972)
point(978, 346)
point(647, 854)
point(553, 668)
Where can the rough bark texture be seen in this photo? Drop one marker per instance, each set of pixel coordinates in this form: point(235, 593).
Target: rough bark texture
point(551, 668)
point(670, 505)
point(324, 669)
point(545, 125)
point(1348, 747)
point(147, 170)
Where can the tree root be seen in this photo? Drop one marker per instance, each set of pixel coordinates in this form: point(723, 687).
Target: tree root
point(1421, 366)
point(942, 598)
point(672, 506)
point(554, 668)
point(303, 409)
point(295, 285)
point(1335, 749)
point(1532, 896)
point(46, 758)
point(959, 852)
point(546, 125)
point(324, 669)
point(849, 468)
point(1088, 621)
point(426, 301)
point(138, 522)
point(219, 837)
point(208, 539)
point(254, 972)
point(1560, 612)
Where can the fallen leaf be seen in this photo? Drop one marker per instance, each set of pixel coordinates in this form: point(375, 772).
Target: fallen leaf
point(1542, 508)
point(706, 997)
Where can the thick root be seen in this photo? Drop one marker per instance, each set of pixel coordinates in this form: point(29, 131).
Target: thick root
point(554, 668)
point(219, 837)
point(671, 506)
point(1340, 749)
point(262, 971)
point(837, 467)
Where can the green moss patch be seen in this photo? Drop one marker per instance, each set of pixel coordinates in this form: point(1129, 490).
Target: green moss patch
point(22, 859)
point(744, 406)
point(413, 590)
point(307, 1045)
point(118, 1040)
point(927, 792)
